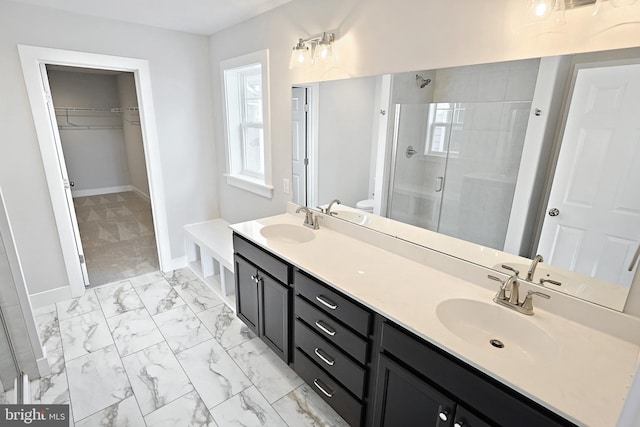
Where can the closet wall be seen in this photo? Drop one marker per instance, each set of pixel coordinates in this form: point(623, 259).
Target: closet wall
point(100, 131)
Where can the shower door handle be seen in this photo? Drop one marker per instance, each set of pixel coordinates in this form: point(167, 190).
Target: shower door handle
point(439, 184)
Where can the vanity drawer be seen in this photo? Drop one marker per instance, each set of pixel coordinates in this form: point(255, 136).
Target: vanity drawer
point(330, 358)
point(331, 302)
point(331, 330)
point(328, 389)
point(264, 260)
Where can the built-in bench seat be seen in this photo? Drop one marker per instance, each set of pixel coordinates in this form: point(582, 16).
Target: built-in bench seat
point(210, 256)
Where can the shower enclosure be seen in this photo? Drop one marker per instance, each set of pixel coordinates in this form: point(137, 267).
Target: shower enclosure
point(455, 166)
point(21, 353)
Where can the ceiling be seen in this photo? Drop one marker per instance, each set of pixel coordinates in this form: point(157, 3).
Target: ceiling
point(194, 16)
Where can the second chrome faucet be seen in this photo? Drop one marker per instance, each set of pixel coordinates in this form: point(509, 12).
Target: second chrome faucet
point(509, 293)
point(309, 220)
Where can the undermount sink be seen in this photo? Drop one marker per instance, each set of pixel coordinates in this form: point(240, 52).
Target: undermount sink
point(355, 217)
point(498, 329)
point(287, 233)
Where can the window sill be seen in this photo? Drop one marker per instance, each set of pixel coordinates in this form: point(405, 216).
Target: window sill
point(249, 185)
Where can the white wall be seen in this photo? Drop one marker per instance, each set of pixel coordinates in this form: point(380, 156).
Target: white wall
point(95, 158)
point(181, 84)
point(345, 140)
point(132, 134)
point(377, 37)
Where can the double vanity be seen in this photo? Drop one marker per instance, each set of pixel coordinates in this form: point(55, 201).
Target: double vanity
point(391, 333)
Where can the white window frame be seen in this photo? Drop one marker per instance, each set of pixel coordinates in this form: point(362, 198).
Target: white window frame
point(449, 126)
point(236, 176)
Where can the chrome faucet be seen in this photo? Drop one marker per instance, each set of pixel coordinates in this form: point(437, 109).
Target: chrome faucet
point(328, 210)
point(508, 295)
point(534, 263)
point(309, 220)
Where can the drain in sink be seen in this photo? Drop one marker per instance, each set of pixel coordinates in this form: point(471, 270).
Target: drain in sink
point(496, 343)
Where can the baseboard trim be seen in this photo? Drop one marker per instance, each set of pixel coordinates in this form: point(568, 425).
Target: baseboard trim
point(52, 296)
point(43, 364)
point(103, 190)
point(140, 193)
point(176, 264)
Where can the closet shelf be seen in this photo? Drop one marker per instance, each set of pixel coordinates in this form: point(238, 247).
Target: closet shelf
point(92, 118)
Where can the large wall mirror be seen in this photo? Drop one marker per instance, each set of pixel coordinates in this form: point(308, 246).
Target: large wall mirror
point(495, 163)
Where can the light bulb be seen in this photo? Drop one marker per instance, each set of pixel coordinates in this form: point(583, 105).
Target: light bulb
point(542, 8)
point(300, 56)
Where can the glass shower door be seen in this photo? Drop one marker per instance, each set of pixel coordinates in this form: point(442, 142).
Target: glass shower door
point(456, 167)
point(418, 175)
point(8, 369)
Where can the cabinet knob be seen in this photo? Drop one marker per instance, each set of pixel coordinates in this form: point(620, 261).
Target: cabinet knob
point(444, 415)
point(458, 424)
point(255, 278)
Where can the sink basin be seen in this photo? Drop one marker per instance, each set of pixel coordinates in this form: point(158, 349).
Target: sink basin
point(480, 324)
point(355, 217)
point(287, 233)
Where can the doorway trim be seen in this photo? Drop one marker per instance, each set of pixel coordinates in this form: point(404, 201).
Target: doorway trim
point(31, 58)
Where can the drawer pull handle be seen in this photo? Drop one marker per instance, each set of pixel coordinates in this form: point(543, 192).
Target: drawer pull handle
point(325, 359)
point(325, 328)
point(327, 303)
point(316, 382)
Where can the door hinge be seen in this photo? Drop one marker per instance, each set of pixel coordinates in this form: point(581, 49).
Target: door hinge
point(306, 162)
point(66, 183)
point(306, 108)
point(81, 258)
point(47, 97)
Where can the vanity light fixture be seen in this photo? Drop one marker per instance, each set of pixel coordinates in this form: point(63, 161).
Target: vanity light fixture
point(314, 49)
point(553, 10)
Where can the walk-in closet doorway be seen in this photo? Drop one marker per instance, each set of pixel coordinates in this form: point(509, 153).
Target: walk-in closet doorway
point(98, 121)
point(92, 190)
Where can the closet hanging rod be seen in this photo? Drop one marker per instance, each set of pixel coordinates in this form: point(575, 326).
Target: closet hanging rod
point(99, 110)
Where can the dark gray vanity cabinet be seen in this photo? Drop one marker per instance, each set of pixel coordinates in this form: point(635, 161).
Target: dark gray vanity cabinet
point(417, 383)
point(332, 336)
point(263, 295)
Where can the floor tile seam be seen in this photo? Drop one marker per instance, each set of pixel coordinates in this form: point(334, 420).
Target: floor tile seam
point(261, 394)
point(271, 404)
point(120, 357)
point(204, 309)
point(144, 307)
point(193, 390)
point(133, 393)
point(234, 362)
point(117, 403)
point(165, 338)
point(246, 374)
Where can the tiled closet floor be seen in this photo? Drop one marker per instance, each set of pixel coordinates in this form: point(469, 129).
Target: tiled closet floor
point(117, 236)
point(163, 350)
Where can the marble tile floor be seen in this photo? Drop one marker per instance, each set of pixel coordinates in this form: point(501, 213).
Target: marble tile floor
point(164, 350)
point(117, 236)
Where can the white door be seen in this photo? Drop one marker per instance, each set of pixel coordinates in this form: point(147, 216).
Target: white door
point(64, 175)
point(592, 223)
point(299, 145)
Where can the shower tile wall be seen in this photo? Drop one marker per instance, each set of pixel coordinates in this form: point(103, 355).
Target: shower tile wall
point(482, 167)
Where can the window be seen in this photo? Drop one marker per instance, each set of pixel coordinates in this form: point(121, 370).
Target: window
point(445, 119)
point(246, 106)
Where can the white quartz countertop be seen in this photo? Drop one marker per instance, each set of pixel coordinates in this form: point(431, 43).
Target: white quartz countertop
point(584, 376)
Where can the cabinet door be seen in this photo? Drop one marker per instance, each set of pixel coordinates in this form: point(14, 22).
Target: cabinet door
point(403, 399)
point(275, 309)
point(247, 293)
point(464, 418)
